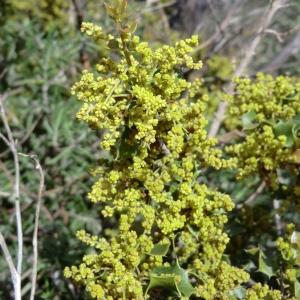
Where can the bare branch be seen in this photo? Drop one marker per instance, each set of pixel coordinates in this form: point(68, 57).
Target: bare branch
point(16, 195)
point(215, 17)
point(277, 217)
point(250, 52)
point(4, 194)
point(149, 6)
point(275, 33)
point(253, 196)
point(290, 49)
point(36, 223)
point(218, 33)
point(8, 258)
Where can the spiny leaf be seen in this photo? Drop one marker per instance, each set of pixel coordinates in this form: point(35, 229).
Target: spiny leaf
point(173, 278)
point(265, 265)
point(285, 128)
point(296, 133)
point(160, 249)
point(248, 120)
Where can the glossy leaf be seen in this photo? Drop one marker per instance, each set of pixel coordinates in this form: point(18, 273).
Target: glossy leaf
point(248, 120)
point(173, 278)
point(285, 128)
point(265, 265)
point(160, 249)
point(296, 133)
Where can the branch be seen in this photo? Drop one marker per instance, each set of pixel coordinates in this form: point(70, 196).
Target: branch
point(84, 59)
point(290, 49)
point(219, 31)
point(215, 17)
point(16, 279)
point(250, 52)
point(253, 196)
point(13, 148)
point(150, 8)
point(15, 272)
point(36, 223)
point(277, 217)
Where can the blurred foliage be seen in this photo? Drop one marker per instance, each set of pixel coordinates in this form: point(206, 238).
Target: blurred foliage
point(41, 55)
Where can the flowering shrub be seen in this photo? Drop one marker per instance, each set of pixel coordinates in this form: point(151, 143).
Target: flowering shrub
point(169, 241)
point(269, 111)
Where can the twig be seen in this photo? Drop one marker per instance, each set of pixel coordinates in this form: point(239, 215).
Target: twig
point(250, 52)
point(13, 147)
point(16, 278)
point(290, 48)
point(83, 56)
point(253, 196)
point(219, 32)
point(4, 194)
point(277, 34)
point(157, 7)
point(277, 217)
point(215, 17)
point(36, 223)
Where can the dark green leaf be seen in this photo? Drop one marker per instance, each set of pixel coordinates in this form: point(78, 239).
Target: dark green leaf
point(238, 293)
point(160, 249)
point(173, 278)
point(285, 128)
point(296, 133)
point(265, 265)
point(248, 120)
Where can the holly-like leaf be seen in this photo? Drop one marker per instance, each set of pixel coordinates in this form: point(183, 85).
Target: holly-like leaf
point(265, 265)
point(286, 129)
point(160, 249)
point(173, 278)
point(248, 120)
point(296, 132)
point(238, 293)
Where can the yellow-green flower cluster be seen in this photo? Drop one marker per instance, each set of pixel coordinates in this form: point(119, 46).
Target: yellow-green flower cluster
point(262, 104)
point(271, 98)
point(263, 292)
point(155, 132)
point(261, 152)
point(289, 248)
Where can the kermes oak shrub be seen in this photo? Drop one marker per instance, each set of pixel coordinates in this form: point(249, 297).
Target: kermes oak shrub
point(170, 240)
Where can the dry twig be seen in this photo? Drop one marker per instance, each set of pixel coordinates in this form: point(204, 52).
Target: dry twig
point(253, 196)
point(36, 223)
point(250, 52)
point(9, 140)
